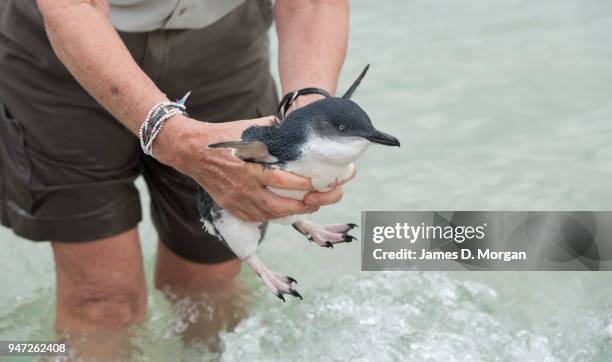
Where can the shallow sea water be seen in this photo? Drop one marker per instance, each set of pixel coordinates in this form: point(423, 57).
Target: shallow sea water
point(503, 105)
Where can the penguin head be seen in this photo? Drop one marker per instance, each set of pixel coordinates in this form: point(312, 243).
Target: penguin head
point(333, 129)
point(342, 119)
point(339, 131)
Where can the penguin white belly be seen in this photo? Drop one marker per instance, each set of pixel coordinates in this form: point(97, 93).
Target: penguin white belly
point(242, 237)
point(326, 162)
point(322, 175)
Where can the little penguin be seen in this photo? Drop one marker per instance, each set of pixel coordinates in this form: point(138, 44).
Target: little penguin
point(320, 141)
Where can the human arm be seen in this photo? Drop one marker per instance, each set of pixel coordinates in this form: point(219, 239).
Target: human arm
point(312, 37)
point(88, 45)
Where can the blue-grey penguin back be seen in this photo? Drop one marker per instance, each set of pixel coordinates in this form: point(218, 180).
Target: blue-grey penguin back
point(282, 142)
point(206, 205)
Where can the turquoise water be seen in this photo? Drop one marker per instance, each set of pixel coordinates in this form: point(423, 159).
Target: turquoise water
point(503, 105)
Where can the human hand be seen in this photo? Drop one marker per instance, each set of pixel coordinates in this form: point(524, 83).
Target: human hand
point(235, 185)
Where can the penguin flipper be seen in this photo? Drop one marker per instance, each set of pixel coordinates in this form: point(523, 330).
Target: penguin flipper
point(250, 151)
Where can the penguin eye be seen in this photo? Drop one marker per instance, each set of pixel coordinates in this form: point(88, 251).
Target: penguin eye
point(341, 127)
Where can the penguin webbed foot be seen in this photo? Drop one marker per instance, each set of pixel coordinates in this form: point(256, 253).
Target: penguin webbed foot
point(325, 235)
point(279, 284)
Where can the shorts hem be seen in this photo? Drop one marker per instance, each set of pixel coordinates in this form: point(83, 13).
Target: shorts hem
point(75, 229)
point(214, 254)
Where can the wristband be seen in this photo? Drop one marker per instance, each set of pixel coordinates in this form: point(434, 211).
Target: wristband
point(290, 97)
point(155, 120)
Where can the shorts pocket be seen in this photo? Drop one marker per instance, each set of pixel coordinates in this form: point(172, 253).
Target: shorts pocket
point(15, 167)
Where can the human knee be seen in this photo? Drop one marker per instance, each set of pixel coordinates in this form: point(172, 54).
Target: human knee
point(111, 306)
point(191, 276)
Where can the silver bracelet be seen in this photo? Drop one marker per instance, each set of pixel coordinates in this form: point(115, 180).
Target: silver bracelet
point(155, 120)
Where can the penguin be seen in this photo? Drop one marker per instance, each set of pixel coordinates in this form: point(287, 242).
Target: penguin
point(321, 141)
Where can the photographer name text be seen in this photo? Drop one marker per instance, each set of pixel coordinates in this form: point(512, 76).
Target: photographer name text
point(450, 233)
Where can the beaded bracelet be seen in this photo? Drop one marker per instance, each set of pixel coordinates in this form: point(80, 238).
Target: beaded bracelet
point(155, 120)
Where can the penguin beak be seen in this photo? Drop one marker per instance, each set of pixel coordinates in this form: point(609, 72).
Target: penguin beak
point(383, 139)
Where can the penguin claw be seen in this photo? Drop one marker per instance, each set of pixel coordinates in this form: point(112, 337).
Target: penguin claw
point(282, 290)
point(329, 244)
point(291, 291)
point(295, 293)
point(348, 238)
point(352, 226)
point(277, 283)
